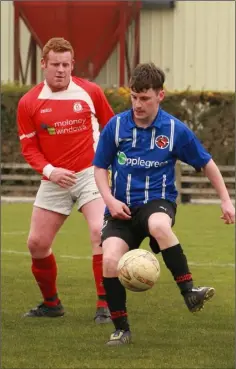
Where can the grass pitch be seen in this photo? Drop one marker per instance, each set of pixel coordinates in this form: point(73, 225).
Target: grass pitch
point(165, 334)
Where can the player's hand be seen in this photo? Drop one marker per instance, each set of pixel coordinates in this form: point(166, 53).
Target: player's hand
point(63, 177)
point(228, 211)
point(118, 209)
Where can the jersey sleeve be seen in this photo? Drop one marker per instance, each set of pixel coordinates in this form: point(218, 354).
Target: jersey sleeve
point(106, 149)
point(190, 150)
point(103, 110)
point(28, 138)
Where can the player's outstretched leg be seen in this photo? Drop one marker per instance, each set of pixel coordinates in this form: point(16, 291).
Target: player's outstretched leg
point(176, 262)
point(196, 297)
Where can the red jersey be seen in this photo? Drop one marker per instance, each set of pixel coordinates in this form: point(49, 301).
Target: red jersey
point(62, 128)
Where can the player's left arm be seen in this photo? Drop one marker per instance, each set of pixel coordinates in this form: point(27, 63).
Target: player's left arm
point(103, 110)
point(192, 152)
point(212, 172)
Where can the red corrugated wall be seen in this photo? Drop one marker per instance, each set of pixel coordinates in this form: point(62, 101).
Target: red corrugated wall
point(93, 27)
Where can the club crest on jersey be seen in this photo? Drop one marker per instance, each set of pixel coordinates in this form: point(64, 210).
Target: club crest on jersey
point(77, 107)
point(162, 142)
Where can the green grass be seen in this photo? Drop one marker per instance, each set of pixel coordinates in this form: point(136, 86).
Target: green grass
point(165, 334)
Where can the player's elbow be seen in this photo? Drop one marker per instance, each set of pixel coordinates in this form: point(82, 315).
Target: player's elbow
point(98, 171)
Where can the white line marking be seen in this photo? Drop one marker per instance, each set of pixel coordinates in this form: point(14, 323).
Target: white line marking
point(76, 257)
point(191, 263)
point(14, 252)
point(17, 199)
point(14, 233)
point(18, 233)
point(61, 256)
point(222, 265)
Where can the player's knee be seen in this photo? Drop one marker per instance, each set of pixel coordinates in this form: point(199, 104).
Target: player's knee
point(110, 263)
point(95, 234)
point(160, 231)
point(37, 245)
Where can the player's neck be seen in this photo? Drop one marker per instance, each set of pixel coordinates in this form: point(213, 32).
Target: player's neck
point(57, 89)
point(145, 122)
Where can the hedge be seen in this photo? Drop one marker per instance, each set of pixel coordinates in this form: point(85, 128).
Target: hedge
point(211, 115)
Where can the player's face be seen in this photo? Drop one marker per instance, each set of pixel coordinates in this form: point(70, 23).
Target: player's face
point(145, 105)
point(57, 69)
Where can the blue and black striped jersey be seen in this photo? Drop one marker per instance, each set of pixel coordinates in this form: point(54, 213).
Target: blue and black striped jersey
point(143, 159)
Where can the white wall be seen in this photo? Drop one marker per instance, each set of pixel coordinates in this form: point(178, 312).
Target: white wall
point(7, 41)
point(194, 44)
point(7, 44)
point(204, 45)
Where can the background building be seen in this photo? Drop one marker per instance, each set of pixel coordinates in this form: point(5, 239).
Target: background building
point(194, 43)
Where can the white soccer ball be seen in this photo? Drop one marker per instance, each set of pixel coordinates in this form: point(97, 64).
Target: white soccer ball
point(138, 270)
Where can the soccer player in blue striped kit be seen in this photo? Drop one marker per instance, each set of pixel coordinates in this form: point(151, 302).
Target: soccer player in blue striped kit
point(142, 146)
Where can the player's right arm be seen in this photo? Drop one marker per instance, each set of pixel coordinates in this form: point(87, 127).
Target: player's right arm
point(104, 156)
point(117, 208)
point(31, 150)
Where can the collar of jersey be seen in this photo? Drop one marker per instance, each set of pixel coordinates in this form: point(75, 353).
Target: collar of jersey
point(156, 123)
point(68, 88)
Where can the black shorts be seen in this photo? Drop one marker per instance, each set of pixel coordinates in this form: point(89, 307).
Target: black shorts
point(135, 230)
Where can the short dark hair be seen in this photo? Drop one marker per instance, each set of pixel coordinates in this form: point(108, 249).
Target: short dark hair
point(145, 76)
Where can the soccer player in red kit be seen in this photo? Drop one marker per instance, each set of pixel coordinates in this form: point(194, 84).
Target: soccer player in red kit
point(58, 124)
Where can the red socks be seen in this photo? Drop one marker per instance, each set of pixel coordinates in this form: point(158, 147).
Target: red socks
point(45, 273)
point(97, 271)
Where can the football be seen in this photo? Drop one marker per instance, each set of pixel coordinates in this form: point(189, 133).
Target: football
point(138, 270)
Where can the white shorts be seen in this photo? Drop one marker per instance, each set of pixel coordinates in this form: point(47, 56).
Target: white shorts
point(52, 197)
